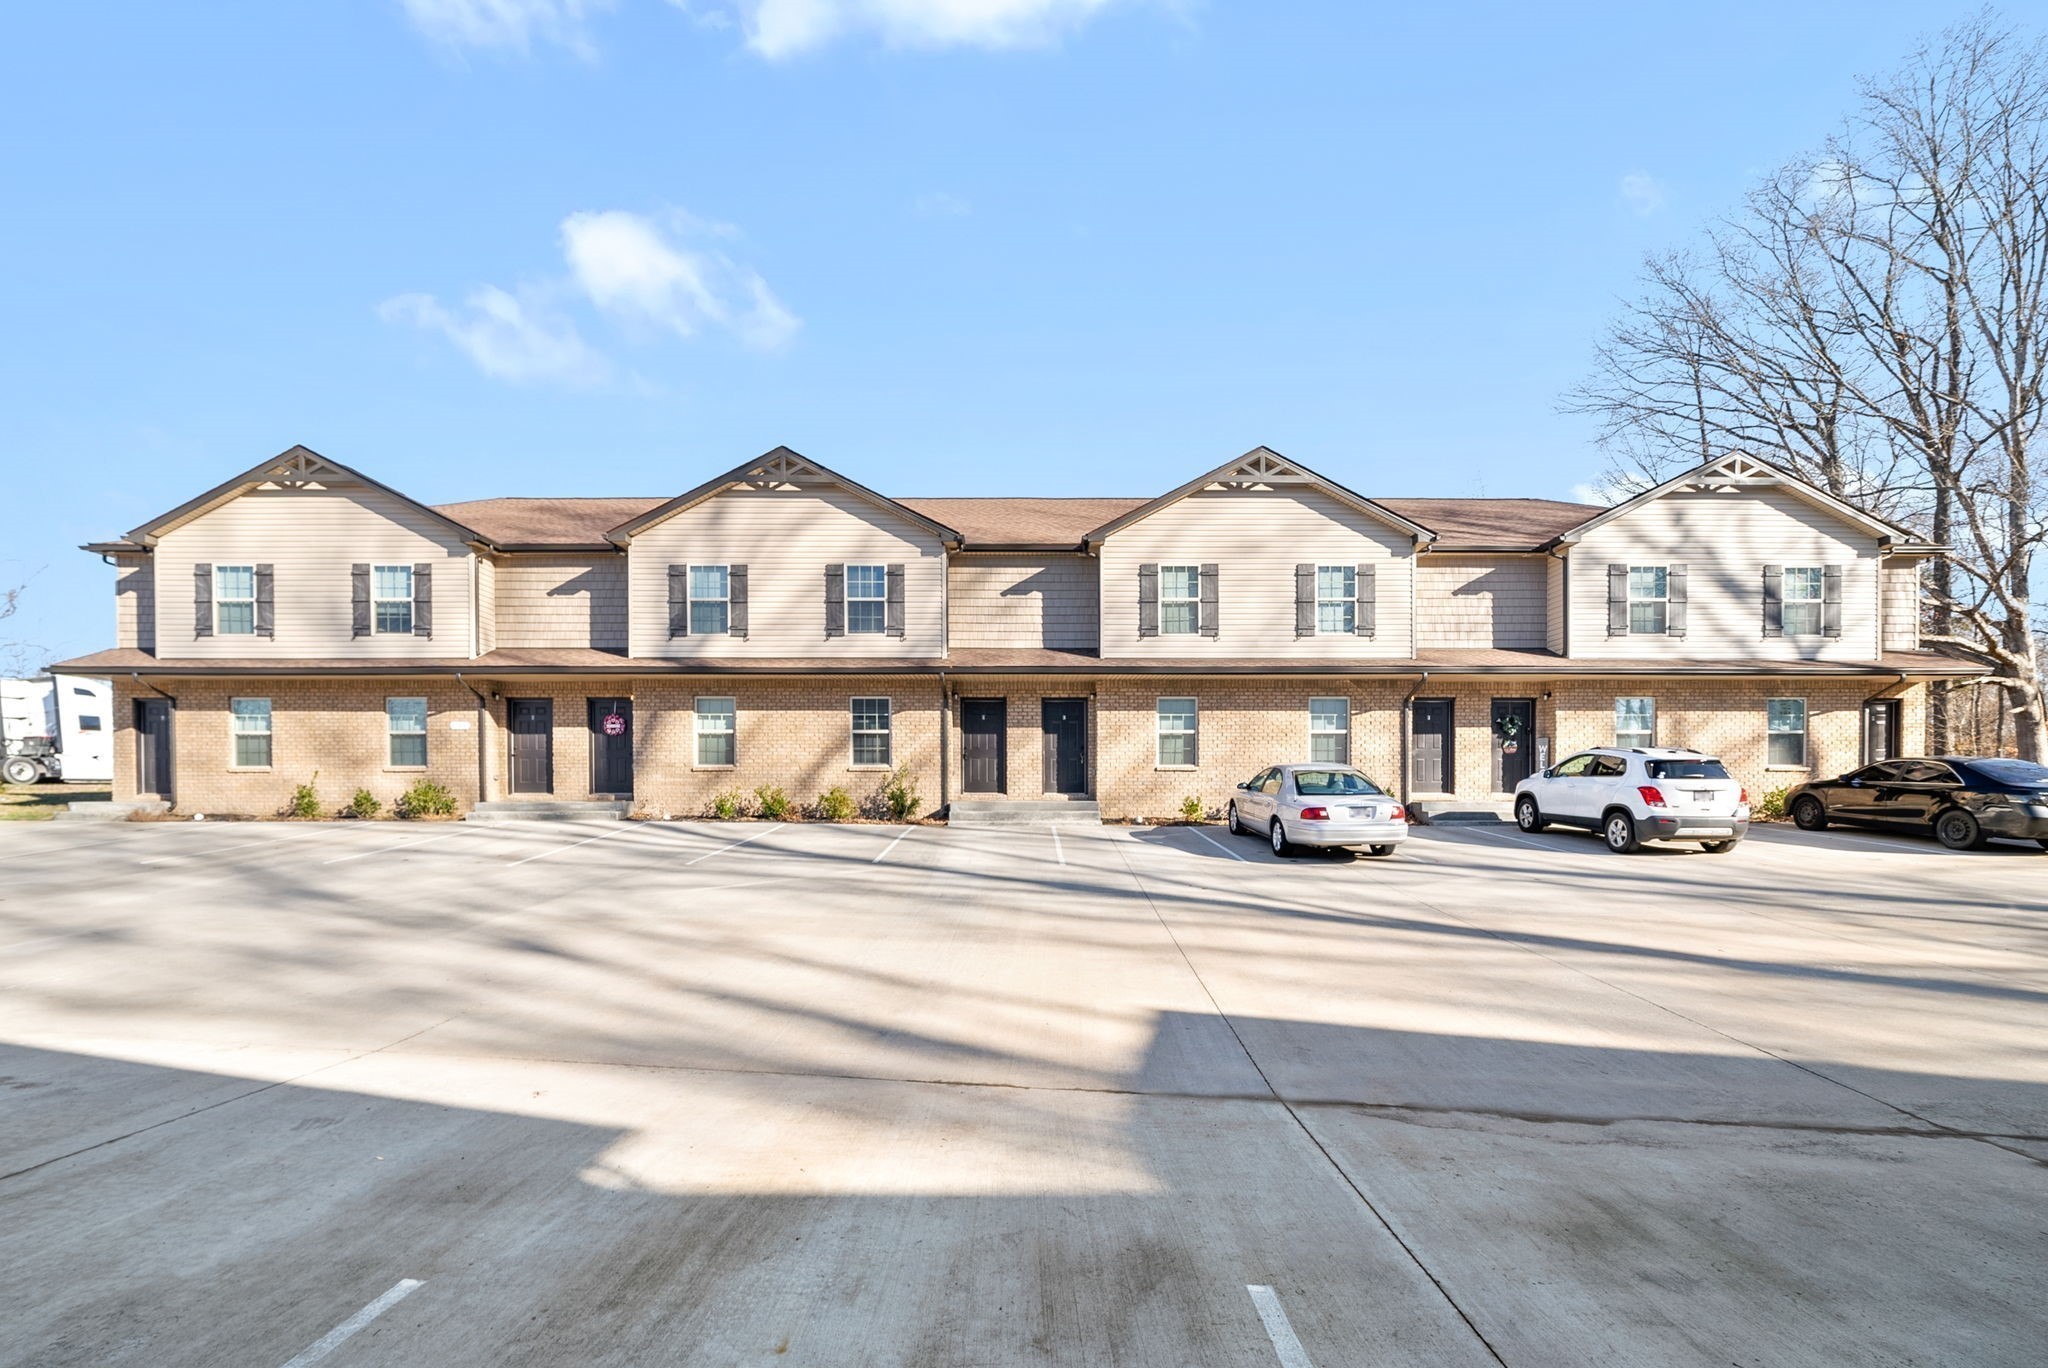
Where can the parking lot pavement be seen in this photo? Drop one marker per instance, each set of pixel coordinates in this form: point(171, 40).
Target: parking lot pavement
point(709, 1093)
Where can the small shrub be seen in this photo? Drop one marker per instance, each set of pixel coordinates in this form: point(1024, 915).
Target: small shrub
point(835, 804)
point(364, 805)
point(901, 794)
point(305, 801)
point(772, 802)
point(1770, 807)
point(728, 806)
point(1191, 809)
point(426, 799)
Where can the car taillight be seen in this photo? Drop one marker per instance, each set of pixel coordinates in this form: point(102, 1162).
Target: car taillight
point(1745, 796)
point(1315, 814)
point(1652, 795)
point(1399, 814)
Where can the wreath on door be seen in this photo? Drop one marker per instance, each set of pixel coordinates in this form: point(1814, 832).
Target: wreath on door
point(1508, 726)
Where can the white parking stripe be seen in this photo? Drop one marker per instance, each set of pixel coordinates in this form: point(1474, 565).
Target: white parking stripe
point(1220, 846)
point(59, 850)
point(1057, 848)
point(221, 850)
point(556, 850)
point(1519, 840)
point(740, 842)
point(332, 1340)
point(1274, 1317)
point(406, 844)
point(892, 845)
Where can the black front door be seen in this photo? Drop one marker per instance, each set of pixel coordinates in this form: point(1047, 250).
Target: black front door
point(153, 746)
point(984, 745)
point(611, 745)
point(531, 722)
point(1065, 723)
point(1514, 742)
point(1880, 731)
point(1430, 769)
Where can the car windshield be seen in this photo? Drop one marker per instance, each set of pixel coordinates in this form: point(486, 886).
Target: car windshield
point(1332, 783)
point(1686, 769)
point(2012, 771)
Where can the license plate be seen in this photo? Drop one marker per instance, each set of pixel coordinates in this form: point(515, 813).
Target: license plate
point(1703, 795)
point(1365, 813)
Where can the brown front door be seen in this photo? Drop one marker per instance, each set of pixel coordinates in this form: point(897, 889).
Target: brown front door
point(1430, 752)
point(531, 722)
point(153, 746)
point(984, 744)
point(611, 745)
point(1065, 724)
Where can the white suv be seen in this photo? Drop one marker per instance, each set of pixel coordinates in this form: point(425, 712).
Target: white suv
point(1634, 795)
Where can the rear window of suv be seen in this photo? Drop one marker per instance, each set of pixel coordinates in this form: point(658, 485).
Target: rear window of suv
point(1686, 769)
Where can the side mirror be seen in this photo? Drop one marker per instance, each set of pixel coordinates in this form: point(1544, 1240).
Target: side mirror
point(1855, 783)
point(1550, 773)
point(1245, 787)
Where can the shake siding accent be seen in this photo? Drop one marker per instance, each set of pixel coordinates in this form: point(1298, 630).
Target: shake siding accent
point(786, 536)
point(1726, 538)
point(1902, 605)
point(562, 600)
point(1256, 537)
point(312, 537)
point(1014, 600)
point(135, 603)
point(1480, 601)
point(1553, 604)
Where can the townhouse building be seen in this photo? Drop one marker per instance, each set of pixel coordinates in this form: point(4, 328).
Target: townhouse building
point(781, 624)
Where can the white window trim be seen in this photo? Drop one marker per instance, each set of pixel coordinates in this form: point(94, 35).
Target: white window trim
point(1819, 600)
point(219, 600)
point(1663, 599)
point(1194, 730)
point(1340, 600)
point(1805, 735)
point(1651, 699)
point(1345, 733)
point(690, 582)
point(411, 602)
point(1194, 603)
point(888, 733)
point(235, 733)
point(882, 623)
point(697, 732)
point(391, 733)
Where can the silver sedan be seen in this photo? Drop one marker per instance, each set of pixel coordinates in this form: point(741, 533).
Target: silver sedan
point(1318, 805)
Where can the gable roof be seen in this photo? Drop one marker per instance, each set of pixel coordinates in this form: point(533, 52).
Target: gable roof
point(1739, 470)
point(298, 465)
point(1262, 466)
point(780, 466)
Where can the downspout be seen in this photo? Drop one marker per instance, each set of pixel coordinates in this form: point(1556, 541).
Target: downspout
point(1408, 738)
point(483, 742)
point(142, 683)
point(945, 742)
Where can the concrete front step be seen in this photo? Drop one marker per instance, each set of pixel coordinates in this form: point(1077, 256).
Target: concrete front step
point(99, 810)
point(1453, 810)
point(549, 810)
point(1003, 812)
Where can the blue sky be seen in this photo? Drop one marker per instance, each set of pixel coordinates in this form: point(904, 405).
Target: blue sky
point(480, 247)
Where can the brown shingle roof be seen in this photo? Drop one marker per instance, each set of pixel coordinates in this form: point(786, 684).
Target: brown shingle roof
point(1022, 521)
point(545, 522)
point(1496, 524)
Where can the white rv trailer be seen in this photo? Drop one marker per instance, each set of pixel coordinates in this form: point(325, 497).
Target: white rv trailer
point(57, 727)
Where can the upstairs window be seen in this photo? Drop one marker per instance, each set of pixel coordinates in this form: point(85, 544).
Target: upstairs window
point(1635, 722)
point(1805, 590)
point(867, 599)
point(249, 721)
point(391, 599)
point(234, 600)
point(405, 720)
point(1329, 731)
point(1649, 600)
point(871, 734)
point(1180, 600)
point(1336, 600)
point(710, 600)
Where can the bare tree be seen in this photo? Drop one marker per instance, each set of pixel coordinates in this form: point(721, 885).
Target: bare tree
point(1876, 316)
point(16, 655)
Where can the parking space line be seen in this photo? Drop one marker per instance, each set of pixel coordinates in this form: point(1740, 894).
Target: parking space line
point(1518, 840)
point(60, 850)
point(892, 845)
point(1274, 1317)
point(407, 844)
point(222, 850)
point(332, 1340)
point(624, 827)
point(1057, 849)
point(1220, 846)
point(740, 842)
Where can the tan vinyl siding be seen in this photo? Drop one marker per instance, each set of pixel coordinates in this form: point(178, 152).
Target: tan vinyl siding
point(1256, 537)
point(1016, 600)
point(1553, 604)
point(1725, 538)
point(134, 603)
point(1479, 601)
point(786, 536)
point(312, 536)
point(562, 600)
point(486, 604)
point(1902, 605)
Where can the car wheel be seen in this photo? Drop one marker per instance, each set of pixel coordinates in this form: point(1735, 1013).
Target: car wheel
point(1230, 818)
point(1809, 815)
point(1620, 832)
point(1384, 850)
point(21, 771)
point(1958, 830)
point(1278, 833)
point(1527, 816)
point(1718, 847)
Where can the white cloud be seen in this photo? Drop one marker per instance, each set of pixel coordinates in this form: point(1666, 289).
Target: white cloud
point(507, 336)
point(785, 28)
point(940, 204)
point(515, 24)
point(1642, 192)
point(645, 271)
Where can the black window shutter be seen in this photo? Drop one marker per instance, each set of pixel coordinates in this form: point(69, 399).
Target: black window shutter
point(202, 600)
point(1831, 605)
point(423, 600)
point(1209, 598)
point(1148, 600)
point(359, 599)
point(736, 600)
point(678, 601)
point(895, 606)
point(1674, 594)
point(1304, 599)
point(1617, 600)
point(266, 602)
point(1774, 600)
point(835, 600)
point(1368, 600)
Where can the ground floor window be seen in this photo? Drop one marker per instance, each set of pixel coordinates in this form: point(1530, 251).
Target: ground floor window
point(1635, 721)
point(715, 732)
point(871, 731)
point(1329, 731)
point(1785, 727)
point(1176, 722)
point(251, 726)
point(406, 721)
